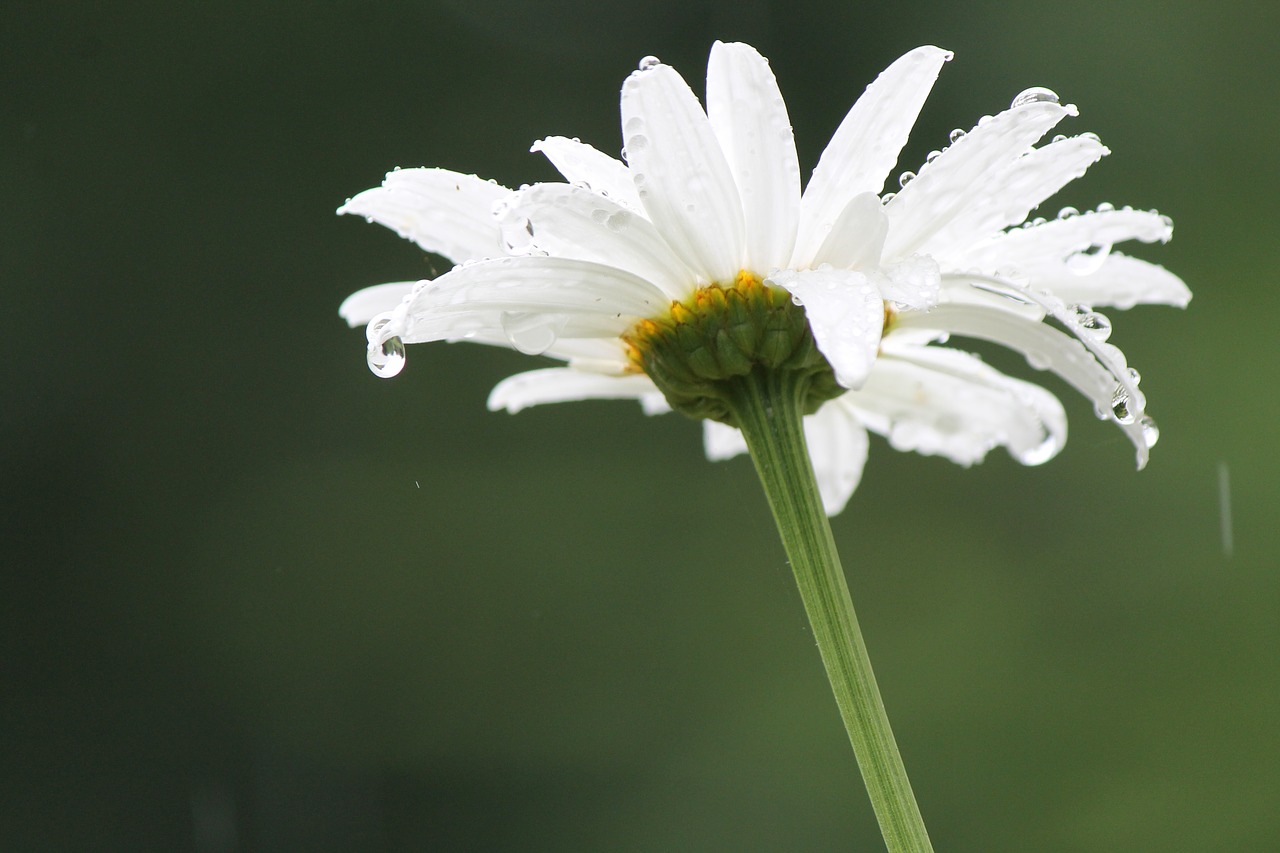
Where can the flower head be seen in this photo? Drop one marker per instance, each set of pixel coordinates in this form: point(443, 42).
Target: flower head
point(698, 255)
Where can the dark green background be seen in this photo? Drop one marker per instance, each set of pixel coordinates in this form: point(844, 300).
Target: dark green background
point(254, 598)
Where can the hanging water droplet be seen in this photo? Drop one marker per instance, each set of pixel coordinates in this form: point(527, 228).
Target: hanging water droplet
point(1095, 325)
point(1034, 95)
point(387, 358)
point(956, 135)
point(1134, 376)
point(906, 178)
point(1150, 432)
point(887, 197)
point(1120, 406)
point(649, 62)
point(1068, 212)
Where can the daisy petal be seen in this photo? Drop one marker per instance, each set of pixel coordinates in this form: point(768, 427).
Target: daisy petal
point(591, 169)
point(722, 441)
point(571, 222)
point(857, 236)
point(363, 305)
point(565, 385)
point(838, 447)
point(750, 120)
point(1057, 239)
point(954, 182)
point(442, 211)
point(1120, 281)
point(866, 145)
point(1011, 195)
point(944, 402)
point(517, 296)
point(846, 315)
point(680, 173)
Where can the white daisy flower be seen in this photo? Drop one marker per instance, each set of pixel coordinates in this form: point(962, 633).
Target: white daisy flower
point(656, 277)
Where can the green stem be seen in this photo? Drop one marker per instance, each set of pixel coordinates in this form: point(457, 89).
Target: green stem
point(766, 405)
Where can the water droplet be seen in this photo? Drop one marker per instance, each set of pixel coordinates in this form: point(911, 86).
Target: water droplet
point(1106, 207)
point(531, 334)
point(1150, 432)
point(1120, 406)
point(649, 62)
point(956, 135)
point(387, 358)
point(1095, 325)
point(618, 221)
point(1068, 212)
point(1088, 261)
point(932, 155)
point(1034, 95)
point(1061, 137)
point(906, 178)
point(887, 197)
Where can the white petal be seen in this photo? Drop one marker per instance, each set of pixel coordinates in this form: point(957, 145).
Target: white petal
point(1095, 369)
point(846, 315)
point(1058, 239)
point(681, 174)
point(1120, 281)
point(954, 182)
point(866, 145)
point(857, 237)
point(442, 211)
point(483, 298)
point(838, 448)
point(592, 169)
point(363, 305)
point(1013, 193)
point(722, 441)
point(570, 222)
point(565, 385)
point(912, 283)
point(750, 120)
point(944, 402)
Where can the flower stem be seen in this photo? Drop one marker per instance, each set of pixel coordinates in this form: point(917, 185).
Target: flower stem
point(767, 406)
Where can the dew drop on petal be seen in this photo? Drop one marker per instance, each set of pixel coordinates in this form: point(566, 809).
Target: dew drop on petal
point(1034, 95)
point(1068, 212)
point(649, 62)
point(1106, 207)
point(1120, 406)
point(906, 178)
point(386, 359)
point(956, 135)
point(1091, 323)
point(1089, 261)
point(1134, 376)
point(1150, 432)
point(886, 198)
point(531, 334)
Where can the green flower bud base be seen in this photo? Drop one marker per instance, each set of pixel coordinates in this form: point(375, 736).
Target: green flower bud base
point(745, 356)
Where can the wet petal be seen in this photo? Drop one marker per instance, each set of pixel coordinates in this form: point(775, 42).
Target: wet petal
point(363, 305)
point(857, 237)
point(846, 315)
point(1012, 194)
point(570, 222)
point(680, 173)
point(944, 402)
point(565, 385)
point(591, 169)
point(1120, 281)
point(912, 283)
point(750, 120)
point(866, 145)
point(838, 447)
point(444, 212)
point(958, 179)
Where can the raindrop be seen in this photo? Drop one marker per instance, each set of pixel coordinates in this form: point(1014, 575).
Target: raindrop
point(1150, 432)
point(1134, 376)
point(1068, 212)
point(906, 178)
point(531, 334)
point(887, 197)
point(1106, 207)
point(1093, 324)
point(1088, 261)
point(1034, 95)
point(1120, 406)
point(956, 135)
point(618, 221)
point(649, 62)
point(1061, 137)
point(932, 155)
point(387, 358)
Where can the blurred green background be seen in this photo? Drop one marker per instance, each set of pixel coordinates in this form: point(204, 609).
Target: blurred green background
point(254, 598)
